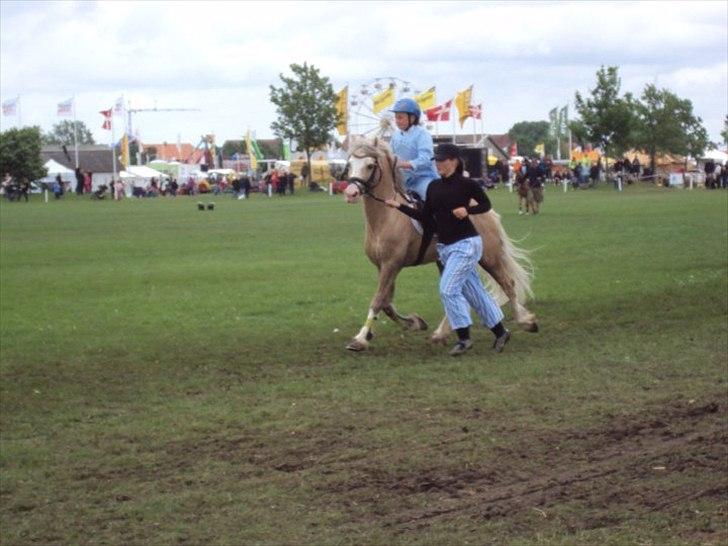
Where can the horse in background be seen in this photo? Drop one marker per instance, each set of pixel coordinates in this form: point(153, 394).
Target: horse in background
point(392, 243)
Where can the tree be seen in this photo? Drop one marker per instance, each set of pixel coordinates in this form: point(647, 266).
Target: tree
point(724, 132)
point(306, 110)
point(607, 120)
point(20, 153)
point(62, 133)
point(667, 125)
point(528, 134)
point(232, 147)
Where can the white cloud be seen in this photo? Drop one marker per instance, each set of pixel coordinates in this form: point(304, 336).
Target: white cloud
point(522, 57)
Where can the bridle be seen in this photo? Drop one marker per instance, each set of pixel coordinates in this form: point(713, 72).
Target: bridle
point(366, 186)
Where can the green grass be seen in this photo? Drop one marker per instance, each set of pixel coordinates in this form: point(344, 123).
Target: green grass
point(171, 376)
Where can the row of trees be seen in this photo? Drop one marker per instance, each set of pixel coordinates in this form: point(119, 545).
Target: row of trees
point(658, 122)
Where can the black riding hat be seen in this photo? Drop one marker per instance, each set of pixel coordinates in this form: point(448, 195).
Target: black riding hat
point(446, 151)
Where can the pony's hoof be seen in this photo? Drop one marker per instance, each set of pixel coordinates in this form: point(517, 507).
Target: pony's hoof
point(356, 346)
point(533, 327)
point(438, 340)
point(415, 322)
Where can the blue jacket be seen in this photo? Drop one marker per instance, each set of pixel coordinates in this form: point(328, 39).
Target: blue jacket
point(415, 145)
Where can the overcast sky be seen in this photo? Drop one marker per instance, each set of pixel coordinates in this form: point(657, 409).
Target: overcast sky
point(523, 58)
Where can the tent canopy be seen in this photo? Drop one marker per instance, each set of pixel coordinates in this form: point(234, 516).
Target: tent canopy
point(716, 155)
point(140, 171)
point(54, 168)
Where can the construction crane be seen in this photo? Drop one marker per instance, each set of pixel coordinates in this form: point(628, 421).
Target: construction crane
point(131, 111)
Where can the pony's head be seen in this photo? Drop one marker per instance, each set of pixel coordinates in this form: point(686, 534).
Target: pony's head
point(370, 163)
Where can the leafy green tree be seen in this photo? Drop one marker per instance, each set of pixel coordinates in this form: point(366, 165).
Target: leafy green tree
point(62, 133)
point(607, 120)
point(724, 132)
point(232, 147)
point(528, 134)
point(305, 107)
point(667, 125)
point(20, 153)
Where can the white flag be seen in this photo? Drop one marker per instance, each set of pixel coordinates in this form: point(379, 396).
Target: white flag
point(119, 106)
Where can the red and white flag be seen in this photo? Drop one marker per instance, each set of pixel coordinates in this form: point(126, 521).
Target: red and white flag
point(439, 113)
point(65, 107)
point(514, 150)
point(10, 107)
point(107, 118)
point(476, 111)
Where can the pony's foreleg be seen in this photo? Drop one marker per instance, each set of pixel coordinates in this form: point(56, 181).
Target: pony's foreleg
point(361, 340)
point(381, 299)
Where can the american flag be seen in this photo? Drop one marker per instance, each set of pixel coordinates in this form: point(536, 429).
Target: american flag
point(65, 107)
point(10, 107)
point(439, 113)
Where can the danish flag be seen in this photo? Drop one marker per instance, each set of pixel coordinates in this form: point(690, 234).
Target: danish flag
point(107, 119)
point(439, 113)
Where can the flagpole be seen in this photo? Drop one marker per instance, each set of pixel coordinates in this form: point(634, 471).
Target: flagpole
point(113, 152)
point(75, 131)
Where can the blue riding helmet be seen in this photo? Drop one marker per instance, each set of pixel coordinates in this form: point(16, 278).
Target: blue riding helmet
point(408, 106)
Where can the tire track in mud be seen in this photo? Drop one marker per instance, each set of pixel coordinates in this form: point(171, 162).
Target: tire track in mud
point(640, 464)
point(540, 493)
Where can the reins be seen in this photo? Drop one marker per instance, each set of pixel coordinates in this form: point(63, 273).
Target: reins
point(365, 187)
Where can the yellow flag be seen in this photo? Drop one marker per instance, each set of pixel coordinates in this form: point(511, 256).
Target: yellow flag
point(540, 149)
point(251, 153)
point(342, 100)
point(125, 151)
point(462, 101)
point(383, 99)
point(426, 99)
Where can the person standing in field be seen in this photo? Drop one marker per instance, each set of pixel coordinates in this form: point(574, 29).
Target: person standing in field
point(460, 247)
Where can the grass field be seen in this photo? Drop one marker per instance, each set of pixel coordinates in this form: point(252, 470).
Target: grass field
point(171, 376)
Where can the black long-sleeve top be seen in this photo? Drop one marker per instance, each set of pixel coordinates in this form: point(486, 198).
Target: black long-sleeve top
point(444, 195)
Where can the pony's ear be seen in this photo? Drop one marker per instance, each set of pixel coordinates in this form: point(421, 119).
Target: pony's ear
point(375, 143)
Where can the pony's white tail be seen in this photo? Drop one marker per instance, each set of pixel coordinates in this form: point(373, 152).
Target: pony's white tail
point(518, 264)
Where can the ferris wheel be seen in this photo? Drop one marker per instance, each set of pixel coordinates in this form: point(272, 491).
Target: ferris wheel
point(363, 117)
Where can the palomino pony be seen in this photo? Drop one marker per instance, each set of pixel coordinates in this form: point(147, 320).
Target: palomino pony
point(392, 242)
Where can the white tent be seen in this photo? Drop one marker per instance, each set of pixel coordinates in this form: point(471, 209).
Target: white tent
point(716, 155)
point(147, 173)
point(54, 169)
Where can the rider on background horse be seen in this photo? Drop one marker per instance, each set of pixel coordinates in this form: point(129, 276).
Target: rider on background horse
point(412, 145)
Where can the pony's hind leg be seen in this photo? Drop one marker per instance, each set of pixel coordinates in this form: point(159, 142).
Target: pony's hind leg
point(442, 332)
point(410, 322)
point(522, 316)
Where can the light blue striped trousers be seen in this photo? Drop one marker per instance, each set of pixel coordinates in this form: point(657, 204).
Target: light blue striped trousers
point(461, 287)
